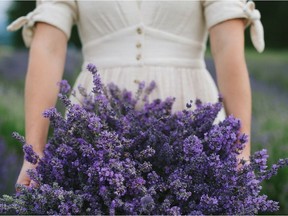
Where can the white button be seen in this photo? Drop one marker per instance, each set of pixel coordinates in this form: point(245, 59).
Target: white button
point(138, 57)
point(139, 30)
point(138, 45)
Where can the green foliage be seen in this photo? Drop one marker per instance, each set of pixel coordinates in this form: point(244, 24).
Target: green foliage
point(12, 115)
point(18, 9)
point(270, 119)
point(270, 67)
point(273, 16)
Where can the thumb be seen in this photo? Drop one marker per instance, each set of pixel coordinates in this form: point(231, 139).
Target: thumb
point(21, 182)
point(19, 185)
point(33, 184)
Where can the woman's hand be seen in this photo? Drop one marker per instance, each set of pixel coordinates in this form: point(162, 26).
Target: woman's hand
point(23, 178)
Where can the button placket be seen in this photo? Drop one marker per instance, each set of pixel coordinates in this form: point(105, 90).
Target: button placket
point(139, 43)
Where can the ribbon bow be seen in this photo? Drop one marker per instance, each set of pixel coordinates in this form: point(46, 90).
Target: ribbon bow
point(20, 22)
point(256, 29)
point(23, 22)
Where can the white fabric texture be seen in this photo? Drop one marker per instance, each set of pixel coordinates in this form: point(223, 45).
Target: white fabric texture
point(61, 14)
point(145, 40)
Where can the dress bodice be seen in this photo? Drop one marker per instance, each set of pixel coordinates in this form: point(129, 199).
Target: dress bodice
point(151, 33)
point(143, 32)
point(155, 40)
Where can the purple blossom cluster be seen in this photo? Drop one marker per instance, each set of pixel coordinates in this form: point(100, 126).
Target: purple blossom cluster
point(108, 156)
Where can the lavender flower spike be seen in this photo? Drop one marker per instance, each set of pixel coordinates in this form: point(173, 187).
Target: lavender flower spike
point(30, 155)
point(92, 68)
point(64, 87)
point(111, 156)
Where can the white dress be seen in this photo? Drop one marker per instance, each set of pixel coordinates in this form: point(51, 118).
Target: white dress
point(164, 41)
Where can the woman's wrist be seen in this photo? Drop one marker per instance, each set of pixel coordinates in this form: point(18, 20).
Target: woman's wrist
point(37, 145)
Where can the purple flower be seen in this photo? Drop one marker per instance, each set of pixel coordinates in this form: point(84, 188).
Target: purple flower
point(109, 156)
point(30, 155)
point(92, 68)
point(64, 87)
point(147, 204)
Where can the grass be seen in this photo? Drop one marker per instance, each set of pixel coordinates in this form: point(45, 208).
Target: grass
point(5, 51)
point(269, 55)
point(270, 126)
point(13, 65)
point(270, 67)
point(12, 113)
point(270, 117)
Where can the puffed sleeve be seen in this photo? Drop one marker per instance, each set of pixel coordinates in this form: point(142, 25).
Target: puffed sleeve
point(61, 14)
point(216, 11)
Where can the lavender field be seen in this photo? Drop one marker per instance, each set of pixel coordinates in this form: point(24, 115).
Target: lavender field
point(269, 80)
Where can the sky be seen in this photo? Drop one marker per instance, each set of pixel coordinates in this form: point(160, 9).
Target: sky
point(4, 34)
point(3, 6)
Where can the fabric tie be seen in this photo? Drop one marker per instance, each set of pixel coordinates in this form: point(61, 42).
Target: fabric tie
point(256, 29)
point(20, 22)
point(23, 22)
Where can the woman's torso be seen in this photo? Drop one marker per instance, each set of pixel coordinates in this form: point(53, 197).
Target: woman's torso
point(134, 33)
point(163, 41)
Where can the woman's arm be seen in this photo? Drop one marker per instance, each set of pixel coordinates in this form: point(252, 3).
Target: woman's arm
point(45, 69)
point(227, 45)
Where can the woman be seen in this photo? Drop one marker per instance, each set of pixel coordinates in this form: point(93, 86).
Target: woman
point(134, 40)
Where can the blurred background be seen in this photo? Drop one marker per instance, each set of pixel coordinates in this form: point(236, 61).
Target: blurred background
point(268, 73)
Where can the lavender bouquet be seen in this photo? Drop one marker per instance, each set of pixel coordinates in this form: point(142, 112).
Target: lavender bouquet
point(108, 157)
